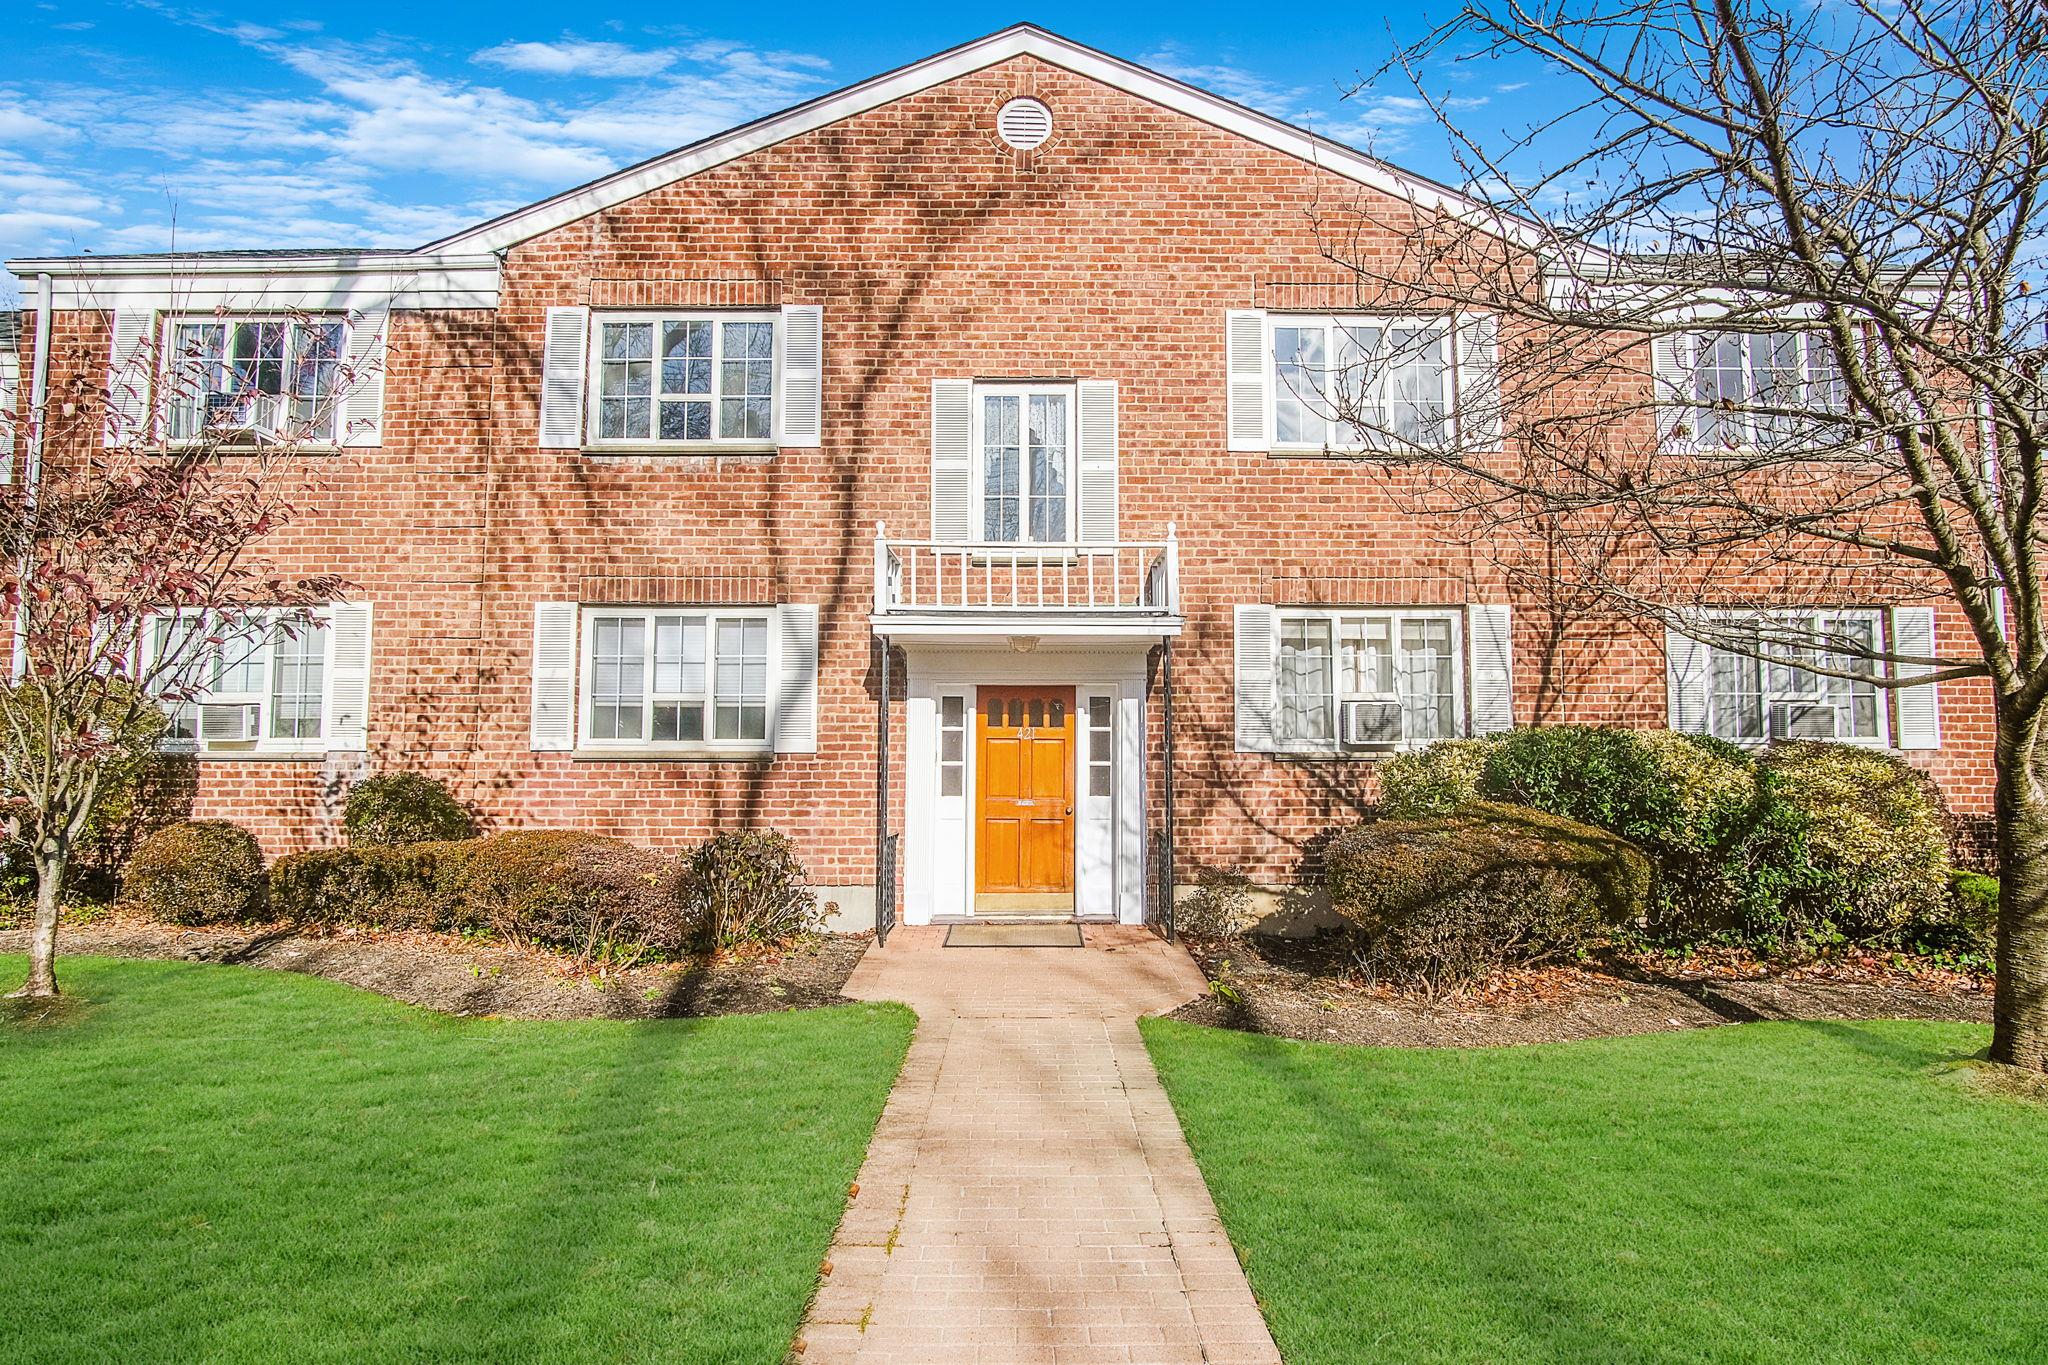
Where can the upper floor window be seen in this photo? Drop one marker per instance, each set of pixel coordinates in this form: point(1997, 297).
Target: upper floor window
point(1749, 390)
point(1346, 382)
point(243, 681)
point(1024, 444)
point(683, 379)
point(1387, 679)
point(1784, 695)
point(264, 378)
point(658, 677)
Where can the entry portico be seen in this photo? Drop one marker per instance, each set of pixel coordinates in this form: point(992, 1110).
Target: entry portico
point(1027, 710)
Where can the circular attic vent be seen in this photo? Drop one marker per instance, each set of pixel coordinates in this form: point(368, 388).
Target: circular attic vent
point(1024, 123)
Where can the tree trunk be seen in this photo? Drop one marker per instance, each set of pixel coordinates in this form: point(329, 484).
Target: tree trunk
point(52, 862)
point(2019, 1012)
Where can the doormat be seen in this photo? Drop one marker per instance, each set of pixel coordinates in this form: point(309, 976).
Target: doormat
point(1013, 936)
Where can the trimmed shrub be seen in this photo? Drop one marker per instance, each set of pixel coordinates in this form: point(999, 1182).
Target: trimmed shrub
point(404, 808)
point(1965, 928)
point(1218, 907)
point(196, 872)
point(746, 886)
point(589, 894)
point(1433, 781)
point(1725, 850)
point(403, 886)
point(1443, 901)
point(1874, 839)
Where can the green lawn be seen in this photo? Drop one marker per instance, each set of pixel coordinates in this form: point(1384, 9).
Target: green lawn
point(221, 1163)
point(1768, 1192)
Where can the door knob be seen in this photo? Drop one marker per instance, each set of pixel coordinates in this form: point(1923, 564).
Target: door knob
point(1070, 810)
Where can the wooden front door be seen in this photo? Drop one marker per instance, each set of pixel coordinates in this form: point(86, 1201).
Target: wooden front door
point(1025, 844)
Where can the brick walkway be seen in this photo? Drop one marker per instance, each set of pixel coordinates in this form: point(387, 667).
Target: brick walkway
point(1029, 1198)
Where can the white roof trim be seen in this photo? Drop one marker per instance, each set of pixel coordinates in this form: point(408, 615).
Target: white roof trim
point(313, 283)
point(1021, 40)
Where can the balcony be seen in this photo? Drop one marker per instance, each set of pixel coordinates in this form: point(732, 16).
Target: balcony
point(1102, 589)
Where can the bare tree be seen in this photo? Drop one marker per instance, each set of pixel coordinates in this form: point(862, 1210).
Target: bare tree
point(1762, 287)
point(135, 565)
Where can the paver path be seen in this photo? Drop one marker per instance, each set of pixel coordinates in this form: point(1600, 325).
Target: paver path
point(1029, 1197)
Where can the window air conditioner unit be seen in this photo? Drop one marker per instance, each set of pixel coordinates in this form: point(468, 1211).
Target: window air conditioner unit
point(1369, 724)
point(228, 723)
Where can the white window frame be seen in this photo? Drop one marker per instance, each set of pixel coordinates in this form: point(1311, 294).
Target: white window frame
point(1445, 326)
point(1815, 349)
point(1768, 698)
point(169, 384)
point(1024, 391)
point(650, 698)
point(1395, 617)
point(262, 696)
point(593, 375)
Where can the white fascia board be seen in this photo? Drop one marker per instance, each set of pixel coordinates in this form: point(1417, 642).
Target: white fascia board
point(311, 283)
point(549, 214)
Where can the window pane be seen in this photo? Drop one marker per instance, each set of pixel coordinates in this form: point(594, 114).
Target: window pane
point(238, 657)
point(1357, 386)
point(618, 677)
point(297, 677)
point(741, 664)
point(1305, 664)
point(1428, 672)
point(1002, 468)
point(1415, 385)
point(1048, 450)
point(198, 352)
point(1737, 697)
point(625, 377)
point(1297, 389)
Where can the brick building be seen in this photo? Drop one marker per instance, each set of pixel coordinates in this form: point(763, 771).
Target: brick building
point(993, 358)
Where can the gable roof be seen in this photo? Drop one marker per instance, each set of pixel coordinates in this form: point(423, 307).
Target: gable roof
point(1019, 40)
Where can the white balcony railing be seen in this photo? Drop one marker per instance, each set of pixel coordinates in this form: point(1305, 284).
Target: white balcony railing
point(1096, 577)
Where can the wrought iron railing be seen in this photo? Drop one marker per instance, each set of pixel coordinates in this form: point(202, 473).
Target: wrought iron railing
point(885, 892)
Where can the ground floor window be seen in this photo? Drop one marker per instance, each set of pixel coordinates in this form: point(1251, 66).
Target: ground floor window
point(1366, 679)
point(657, 677)
point(241, 680)
point(1799, 688)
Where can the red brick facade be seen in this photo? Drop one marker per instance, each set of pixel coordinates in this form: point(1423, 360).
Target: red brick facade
point(1113, 252)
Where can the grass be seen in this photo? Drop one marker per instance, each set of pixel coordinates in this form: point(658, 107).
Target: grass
point(1767, 1192)
point(221, 1164)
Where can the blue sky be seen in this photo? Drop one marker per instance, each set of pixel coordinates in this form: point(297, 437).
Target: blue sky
point(148, 125)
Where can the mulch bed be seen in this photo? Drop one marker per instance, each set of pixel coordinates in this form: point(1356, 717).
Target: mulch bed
point(466, 977)
point(1308, 989)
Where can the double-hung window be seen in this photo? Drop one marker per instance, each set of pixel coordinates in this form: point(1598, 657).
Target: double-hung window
point(1784, 694)
point(1360, 383)
point(1401, 666)
point(1752, 390)
point(671, 677)
point(256, 378)
point(245, 682)
point(1024, 445)
point(682, 380)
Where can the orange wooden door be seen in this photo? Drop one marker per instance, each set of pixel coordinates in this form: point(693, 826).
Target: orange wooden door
point(1025, 781)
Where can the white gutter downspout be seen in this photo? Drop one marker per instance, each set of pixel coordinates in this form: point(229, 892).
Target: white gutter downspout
point(32, 465)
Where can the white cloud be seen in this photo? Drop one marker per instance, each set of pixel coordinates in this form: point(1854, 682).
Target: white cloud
point(1231, 82)
point(19, 125)
point(576, 57)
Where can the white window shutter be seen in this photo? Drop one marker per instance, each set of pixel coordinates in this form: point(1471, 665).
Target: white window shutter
point(952, 459)
point(1688, 682)
point(1489, 635)
point(1247, 380)
point(128, 377)
point(554, 676)
point(1096, 399)
point(10, 417)
point(796, 679)
point(1258, 639)
point(803, 371)
point(1477, 413)
point(362, 408)
point(561, 385)
point(348, 676)
point(1671, 358)
point(1919, 707)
